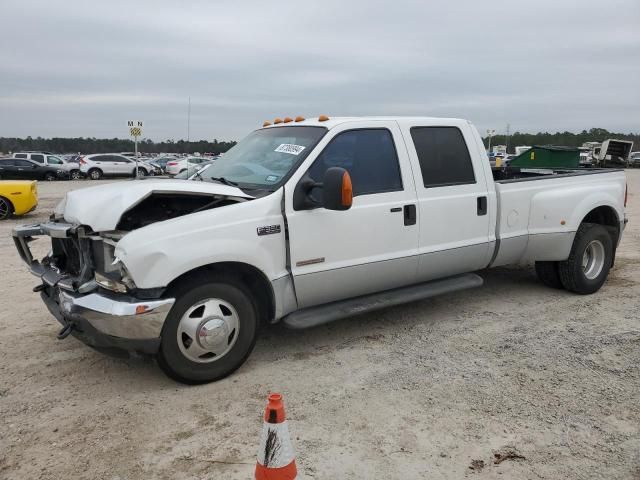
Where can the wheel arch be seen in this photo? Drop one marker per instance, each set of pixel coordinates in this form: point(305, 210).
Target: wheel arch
point(256, 281)
point(12, 207)
point(606, 216)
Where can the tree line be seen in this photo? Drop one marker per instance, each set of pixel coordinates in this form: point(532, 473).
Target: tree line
point(105, 145)
point(566, 139)
point(111, 145)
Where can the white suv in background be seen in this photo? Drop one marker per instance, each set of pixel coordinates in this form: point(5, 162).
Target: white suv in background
point(72, 169)
point(101, 165)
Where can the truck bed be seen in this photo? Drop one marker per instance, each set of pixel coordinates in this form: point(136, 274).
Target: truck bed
point(537, 220)
point(514, 174)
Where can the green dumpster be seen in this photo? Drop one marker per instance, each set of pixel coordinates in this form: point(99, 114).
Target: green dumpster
point(547, 156)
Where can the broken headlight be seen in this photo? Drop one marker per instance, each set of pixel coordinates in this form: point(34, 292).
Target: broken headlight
point(110, 272)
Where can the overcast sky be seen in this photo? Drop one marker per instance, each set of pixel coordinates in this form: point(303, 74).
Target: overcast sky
point(83, 68)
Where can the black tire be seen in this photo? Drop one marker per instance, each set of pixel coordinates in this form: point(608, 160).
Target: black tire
point(49, 177)
point(141, 172)
point(75, 175)
point(6, 208)
point(571, 271)
point(95, 174)
point(170, 357)
point(548, 274)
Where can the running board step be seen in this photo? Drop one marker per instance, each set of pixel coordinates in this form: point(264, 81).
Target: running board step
point(313, 316)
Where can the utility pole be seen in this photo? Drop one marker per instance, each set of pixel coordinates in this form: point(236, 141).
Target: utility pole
point(189, 124)
point(490, 132)
point(507, 138)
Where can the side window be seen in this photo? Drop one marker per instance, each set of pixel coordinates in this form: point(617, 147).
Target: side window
point(115, 158)
point(37, 158)
point(23, 163)
point(369, 155)
point(7, 163)
point(54, 160)
point(443, 155)
point(20, 155)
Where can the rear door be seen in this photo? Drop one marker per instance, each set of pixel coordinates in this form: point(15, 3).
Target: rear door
point(452, 199)
point(371, 246)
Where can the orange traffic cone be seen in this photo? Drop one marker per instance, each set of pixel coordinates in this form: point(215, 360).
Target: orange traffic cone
point(276, 460)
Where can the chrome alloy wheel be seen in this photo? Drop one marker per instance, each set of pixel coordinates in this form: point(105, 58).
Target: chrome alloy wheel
point(593, 259)
point(208, 330)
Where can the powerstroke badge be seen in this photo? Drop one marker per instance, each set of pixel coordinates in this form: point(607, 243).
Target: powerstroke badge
point(269, 230)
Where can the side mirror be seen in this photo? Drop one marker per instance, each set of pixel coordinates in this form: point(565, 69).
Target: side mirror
point(337, 190)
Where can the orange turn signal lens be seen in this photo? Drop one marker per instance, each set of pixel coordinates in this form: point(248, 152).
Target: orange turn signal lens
point(323, 118)
point(266, 124)
point(277, 121)
point(141, 309)
point(347, 190)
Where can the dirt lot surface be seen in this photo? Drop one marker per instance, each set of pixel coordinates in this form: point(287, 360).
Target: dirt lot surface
point(426, 390)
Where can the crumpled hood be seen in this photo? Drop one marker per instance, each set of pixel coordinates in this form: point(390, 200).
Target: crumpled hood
point(101, 207)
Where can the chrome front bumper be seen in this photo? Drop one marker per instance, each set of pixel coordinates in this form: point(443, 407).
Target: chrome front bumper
point(127, 317)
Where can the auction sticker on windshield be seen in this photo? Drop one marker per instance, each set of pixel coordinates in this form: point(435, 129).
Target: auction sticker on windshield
point(290, 148)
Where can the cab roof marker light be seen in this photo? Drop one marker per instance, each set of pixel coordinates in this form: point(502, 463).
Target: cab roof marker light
point(288, 119)
point(299, 119)
point(323, 118)
point(277, 121)
point(266, 124)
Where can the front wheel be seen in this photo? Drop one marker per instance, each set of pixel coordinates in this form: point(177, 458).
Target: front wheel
point(141, 172)
point(209, 332)
point(75, 175)
point(591, 257)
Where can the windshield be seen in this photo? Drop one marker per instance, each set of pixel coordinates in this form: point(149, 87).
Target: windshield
point(266, 157)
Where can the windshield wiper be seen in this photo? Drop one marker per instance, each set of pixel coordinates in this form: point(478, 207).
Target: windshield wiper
point(224, 181)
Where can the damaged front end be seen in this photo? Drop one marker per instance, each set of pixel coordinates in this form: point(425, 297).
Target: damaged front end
point(89, 291)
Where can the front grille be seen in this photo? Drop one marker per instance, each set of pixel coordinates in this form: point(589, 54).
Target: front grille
point(66, 255)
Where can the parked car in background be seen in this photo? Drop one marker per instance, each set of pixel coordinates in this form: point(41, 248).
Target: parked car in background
point(17, 197)
point(23, 169)
point(197, 175)
point(634, 159)
point(101, 165)
point(161, 162)
point(71, 167)
point(190, 164)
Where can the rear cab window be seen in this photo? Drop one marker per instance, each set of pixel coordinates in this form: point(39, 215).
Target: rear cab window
point(443, 156)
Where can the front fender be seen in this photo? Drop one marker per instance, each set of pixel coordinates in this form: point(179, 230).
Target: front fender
point(159, 253)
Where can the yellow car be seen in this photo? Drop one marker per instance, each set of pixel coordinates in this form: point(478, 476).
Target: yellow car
point(17, 197)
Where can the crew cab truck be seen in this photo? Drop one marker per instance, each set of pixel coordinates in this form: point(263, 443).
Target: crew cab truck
point(307, 221)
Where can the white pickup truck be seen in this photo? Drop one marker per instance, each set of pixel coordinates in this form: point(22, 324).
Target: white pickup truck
point(305, 222)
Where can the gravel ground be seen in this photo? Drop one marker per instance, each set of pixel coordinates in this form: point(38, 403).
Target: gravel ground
point(427, 390)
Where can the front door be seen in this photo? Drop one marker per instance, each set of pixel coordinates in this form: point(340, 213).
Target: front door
point(370, 247)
